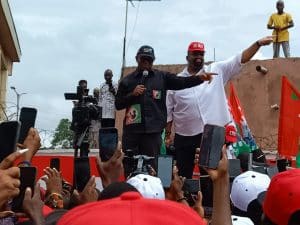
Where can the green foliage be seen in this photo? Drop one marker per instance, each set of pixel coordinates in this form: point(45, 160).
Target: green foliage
point(63, 136)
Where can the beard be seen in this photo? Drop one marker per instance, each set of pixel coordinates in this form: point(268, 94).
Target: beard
point(198, 64)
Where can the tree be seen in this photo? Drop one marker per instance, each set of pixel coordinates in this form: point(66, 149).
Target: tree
point(63, 136)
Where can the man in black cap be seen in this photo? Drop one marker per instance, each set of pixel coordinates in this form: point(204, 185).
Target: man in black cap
point(143, 94)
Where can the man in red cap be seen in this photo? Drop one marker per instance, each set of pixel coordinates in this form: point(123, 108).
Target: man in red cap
point(190, 109)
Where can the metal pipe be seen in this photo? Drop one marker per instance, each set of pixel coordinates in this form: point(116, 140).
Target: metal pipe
point(261, 69)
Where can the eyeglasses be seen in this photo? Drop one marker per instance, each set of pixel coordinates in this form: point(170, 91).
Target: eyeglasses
point(146, 58)
point(197, 53)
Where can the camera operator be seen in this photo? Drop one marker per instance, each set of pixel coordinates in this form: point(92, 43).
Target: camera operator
point(84, 111)
point(95, 125)
point(108, 91)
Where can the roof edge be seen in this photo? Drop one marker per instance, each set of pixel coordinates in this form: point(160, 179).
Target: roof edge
point(12, 28)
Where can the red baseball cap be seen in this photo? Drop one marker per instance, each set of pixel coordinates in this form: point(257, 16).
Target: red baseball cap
point(196, 46)
point(230, 134)
point(131, 209)
point(282, 198)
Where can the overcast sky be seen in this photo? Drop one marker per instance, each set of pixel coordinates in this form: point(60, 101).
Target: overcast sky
point(63, 41)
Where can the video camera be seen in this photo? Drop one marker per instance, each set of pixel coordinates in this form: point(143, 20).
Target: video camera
point(85, 109)
point(136, 164)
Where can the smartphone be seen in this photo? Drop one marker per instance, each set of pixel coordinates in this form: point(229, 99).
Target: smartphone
point(27, 119)
point(108, 141)
point(272, 171)
point(165, 169)
point(192, 185)
point(9, 134)
point(82, 172)
point(190, 189)
point(259, 169)
point(213, 139)
point(234, 168)
point(27, 179)
point(55, 163)
point(282, 164)
point(206, 186)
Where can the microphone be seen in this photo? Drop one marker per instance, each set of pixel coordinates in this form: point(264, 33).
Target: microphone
point(145, 75)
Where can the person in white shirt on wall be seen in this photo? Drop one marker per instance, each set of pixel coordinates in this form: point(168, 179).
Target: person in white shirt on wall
point(190, 109)
point(108, 91)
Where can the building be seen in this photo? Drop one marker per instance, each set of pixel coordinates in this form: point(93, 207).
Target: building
point(10, 51)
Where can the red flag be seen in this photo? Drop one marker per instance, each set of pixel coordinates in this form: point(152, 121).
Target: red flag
point(289, 119)
point(236, 109)
point(239, 118)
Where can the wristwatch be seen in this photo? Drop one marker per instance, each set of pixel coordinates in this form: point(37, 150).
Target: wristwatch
point(55, 200)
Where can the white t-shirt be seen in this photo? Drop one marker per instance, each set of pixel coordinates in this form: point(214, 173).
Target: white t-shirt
point(206, 103)
point(107, 101)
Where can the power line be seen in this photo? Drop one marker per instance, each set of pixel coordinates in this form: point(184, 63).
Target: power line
point(135, 22)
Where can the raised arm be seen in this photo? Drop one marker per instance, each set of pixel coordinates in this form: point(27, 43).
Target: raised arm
point(250, 51)
point(174, 82)
point(221, 203)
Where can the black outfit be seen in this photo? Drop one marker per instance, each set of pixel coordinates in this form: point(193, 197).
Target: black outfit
point(146, 115)
point(185, 149)
point(108, 122)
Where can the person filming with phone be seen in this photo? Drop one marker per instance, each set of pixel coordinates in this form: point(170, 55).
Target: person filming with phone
point(108, 91)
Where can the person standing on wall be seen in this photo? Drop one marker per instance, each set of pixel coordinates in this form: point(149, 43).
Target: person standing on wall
point(280, 22)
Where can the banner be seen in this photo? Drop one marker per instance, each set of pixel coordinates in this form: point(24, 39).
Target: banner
point(289, 119)
point(239, 119)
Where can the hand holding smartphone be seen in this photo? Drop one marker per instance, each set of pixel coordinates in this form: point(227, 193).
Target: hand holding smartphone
point(190, 189)
point(213, 139)
point(27, 179)
point(27, 119)
point(165, 169)
point(108, 141)
point(82, 172)
point(9, 134)
point(55, 163)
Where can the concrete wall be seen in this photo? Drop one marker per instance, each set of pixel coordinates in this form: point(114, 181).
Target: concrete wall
point(257, 92)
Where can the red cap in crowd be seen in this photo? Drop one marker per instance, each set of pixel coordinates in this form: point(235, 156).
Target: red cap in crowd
point(230, 134)
point(282, 198)
point(196, 46)
point(131, 209)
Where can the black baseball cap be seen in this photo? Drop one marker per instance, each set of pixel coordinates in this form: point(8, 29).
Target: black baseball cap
point(146, 50)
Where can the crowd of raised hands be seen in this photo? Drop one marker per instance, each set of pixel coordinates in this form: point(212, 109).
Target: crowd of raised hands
point(59, 196)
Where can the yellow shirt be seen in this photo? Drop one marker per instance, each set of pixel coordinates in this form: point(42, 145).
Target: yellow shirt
point(280, 20)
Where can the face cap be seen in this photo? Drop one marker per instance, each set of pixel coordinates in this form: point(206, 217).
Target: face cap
point(230, 134)
point(130, 208)
point(146, 51)
point(283, 196)
point(148, 186)
point(196, 46)
point(246, 187)
point(237, 220)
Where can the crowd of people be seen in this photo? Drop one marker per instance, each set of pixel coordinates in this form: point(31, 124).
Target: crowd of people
point(250, 198)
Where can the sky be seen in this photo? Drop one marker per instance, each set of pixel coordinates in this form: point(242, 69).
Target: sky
point(65, 41)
